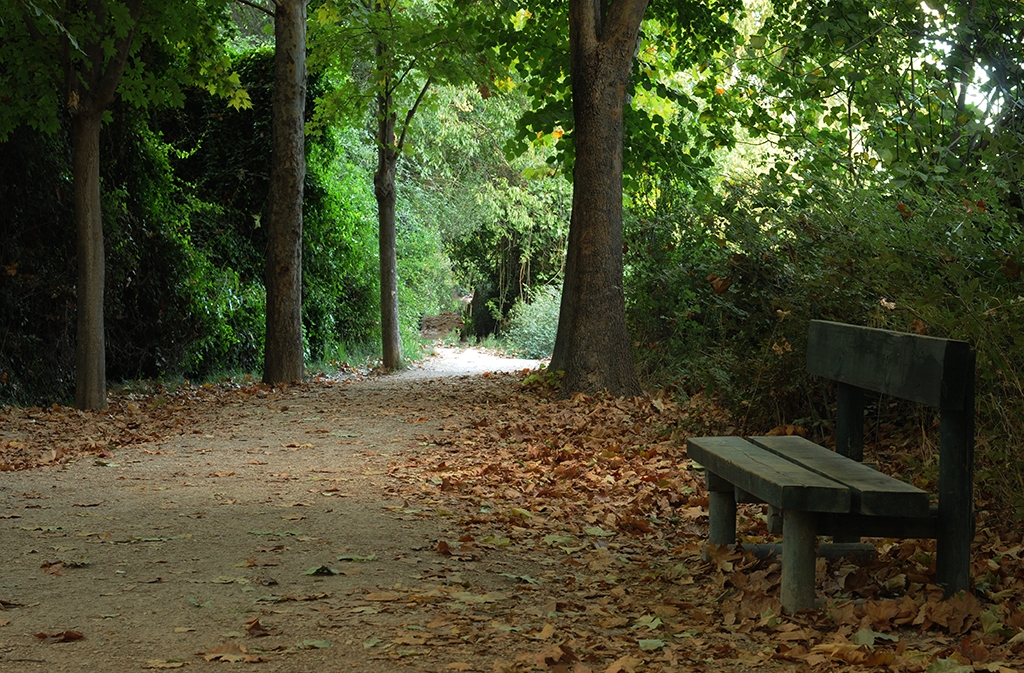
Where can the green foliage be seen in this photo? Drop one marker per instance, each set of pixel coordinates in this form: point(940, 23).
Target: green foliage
point(182, 210)
point(224, 155)
point(503, 224)
point(679, 41)
point(340, 292)
point(720, 296)
point(424, 276)
point(532, 326)
point(47, 49)
point(37, 285)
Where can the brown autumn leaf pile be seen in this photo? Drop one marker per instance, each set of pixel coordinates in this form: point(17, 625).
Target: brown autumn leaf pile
point(604, 487)
point(45, 436)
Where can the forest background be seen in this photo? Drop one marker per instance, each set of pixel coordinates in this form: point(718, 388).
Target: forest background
point(840, 159)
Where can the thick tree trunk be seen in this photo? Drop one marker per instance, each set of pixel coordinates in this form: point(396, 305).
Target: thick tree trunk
point(592, 345)
point(283, 355)
point(90, 348)
point(384, 190)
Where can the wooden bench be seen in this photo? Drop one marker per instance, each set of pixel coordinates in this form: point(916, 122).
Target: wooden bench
point(821, 492)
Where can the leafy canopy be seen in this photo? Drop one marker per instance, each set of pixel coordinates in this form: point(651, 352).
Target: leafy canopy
point(47, 47)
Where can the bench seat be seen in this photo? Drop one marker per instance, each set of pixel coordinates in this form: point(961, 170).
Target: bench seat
point(769, 477)
point(872, 493)
point(817, 491)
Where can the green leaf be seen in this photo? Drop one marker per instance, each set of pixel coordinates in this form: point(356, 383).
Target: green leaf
point(948, 666)
point(650, 621)
point(651, 645)
point(992, 620)
point(867, 637)
point(597, 531)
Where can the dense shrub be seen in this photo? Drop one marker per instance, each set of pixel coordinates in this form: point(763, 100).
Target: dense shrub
point(184, 193)
point(37, 282)
point(720, 297)
point(531, 326)
point(225, 155)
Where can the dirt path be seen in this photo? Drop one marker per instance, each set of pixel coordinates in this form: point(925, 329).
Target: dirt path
point(204, 542)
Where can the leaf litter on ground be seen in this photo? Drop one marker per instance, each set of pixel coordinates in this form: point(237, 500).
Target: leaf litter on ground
point(595, 500)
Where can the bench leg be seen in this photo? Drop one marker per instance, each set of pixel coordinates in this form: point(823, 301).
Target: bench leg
point(722, 517)
point(798, 560)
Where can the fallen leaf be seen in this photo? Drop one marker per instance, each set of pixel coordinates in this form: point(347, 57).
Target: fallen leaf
point(255, 629)
point(161, 663)
point(60, 636)
point(232, 652)
point(546, 632)
point(626, 664)
point(384, 596)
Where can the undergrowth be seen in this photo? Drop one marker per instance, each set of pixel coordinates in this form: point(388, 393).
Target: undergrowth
point(721, 297)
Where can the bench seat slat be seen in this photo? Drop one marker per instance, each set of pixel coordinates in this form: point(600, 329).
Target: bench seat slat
point(874, 493)
point(771, 478)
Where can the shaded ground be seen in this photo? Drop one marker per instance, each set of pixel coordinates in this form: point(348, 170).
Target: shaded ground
point(449, 518)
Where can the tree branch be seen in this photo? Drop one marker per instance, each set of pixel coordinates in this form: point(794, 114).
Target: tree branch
point(257, 6)
point(111, 76)
point(412, 112)
point(584, 24)
point(623, 20)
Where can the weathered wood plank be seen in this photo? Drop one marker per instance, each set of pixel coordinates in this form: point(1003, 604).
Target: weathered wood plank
point(767, 476)
point(956, 494)
point(850, 421)
point(872, 492)
point(922, 369)
point(798, 567)
point(920, 527)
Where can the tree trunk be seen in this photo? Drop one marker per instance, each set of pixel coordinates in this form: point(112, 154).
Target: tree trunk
point(90, 348)
point(592, 345)
point(283, 355)
point(384, 190)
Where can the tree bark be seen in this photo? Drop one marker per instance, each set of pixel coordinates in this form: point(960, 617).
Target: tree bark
point(592, 345)
point(384, 190)
point(283, 354)
point(91, 87)
point(90, 347)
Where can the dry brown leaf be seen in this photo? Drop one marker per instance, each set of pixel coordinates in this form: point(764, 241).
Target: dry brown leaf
point(385, 596)
point(60, 636)
point(626, 664)
point(162, 664)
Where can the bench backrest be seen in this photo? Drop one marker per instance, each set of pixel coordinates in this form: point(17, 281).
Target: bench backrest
point(917, 368)
point(936, 372)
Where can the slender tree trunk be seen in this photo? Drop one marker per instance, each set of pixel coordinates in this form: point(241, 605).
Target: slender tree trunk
point(384, 190)
point(91, 86)
point(90, 348)
point(592, 345)
point(283, 355)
